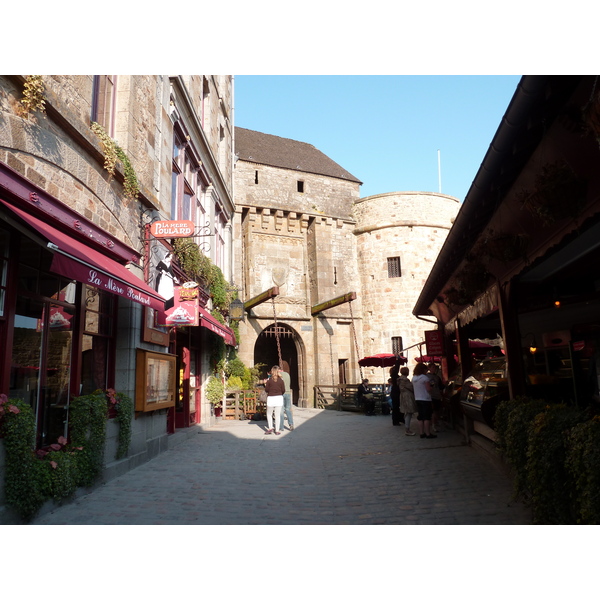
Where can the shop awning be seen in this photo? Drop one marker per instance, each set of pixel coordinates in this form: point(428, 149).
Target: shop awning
point(208, 321)
point(76, 260)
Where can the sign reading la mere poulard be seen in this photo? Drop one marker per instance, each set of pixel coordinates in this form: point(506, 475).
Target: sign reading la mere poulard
point(172, 229)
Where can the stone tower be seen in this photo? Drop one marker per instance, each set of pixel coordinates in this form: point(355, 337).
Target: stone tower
point(399, 236)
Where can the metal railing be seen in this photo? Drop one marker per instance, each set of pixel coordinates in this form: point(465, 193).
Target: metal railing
point(342, 396)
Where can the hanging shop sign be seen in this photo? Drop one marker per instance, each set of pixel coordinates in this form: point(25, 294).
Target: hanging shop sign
point(434, 343)
point(172, 229)
point(185, 307)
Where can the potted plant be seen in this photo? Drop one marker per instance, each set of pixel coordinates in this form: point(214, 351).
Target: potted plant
point(215, 391)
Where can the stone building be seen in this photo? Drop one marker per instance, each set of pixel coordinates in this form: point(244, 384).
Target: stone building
point(80, 306)
point(301, 226)
point(294, 230)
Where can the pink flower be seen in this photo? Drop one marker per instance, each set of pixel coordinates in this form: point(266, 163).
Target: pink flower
point(3, 398)
point(55, 446)
point(62, 440)
point(53, 464)
point(14, 409)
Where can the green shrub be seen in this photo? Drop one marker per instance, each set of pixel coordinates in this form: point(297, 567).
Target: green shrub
point(512, 421)
point(234, 383)
point(87, 425)
point(26, 479)
point(55, 472)
point(548, 481)
point(583, 465)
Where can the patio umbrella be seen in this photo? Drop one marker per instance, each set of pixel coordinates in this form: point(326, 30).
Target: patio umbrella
point(382, 360)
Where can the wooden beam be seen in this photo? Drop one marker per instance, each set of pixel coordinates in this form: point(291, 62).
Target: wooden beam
point(317, 308)
point(270, 293)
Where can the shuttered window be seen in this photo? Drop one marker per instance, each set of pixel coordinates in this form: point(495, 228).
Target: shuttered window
point(394, 269)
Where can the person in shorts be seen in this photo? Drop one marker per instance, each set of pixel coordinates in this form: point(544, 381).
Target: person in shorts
point(422, 390)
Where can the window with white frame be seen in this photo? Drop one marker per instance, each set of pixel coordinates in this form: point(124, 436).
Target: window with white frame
point(184, 180)
point(220, 222)
point(104, 99)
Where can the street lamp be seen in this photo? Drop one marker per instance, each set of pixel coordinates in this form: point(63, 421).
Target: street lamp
point(237, 310)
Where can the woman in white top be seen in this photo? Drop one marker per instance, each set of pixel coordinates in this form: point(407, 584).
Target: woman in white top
point(422, 389)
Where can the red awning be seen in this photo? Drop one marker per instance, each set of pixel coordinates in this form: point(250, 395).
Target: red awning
point(76, 260)
point(208, 321)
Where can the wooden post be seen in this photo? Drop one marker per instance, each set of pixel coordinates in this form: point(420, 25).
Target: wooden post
point(270, 293)
point(317, 308)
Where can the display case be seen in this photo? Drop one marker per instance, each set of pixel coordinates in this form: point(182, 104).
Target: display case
point(155, 380)
point(483, 389)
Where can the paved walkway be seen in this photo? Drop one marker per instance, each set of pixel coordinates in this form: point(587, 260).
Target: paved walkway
point(334, 468)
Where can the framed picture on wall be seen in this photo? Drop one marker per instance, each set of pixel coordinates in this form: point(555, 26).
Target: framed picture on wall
point(155, 380)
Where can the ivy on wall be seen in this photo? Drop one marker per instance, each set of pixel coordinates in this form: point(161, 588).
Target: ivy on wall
point(112, 153)
point(33, 95)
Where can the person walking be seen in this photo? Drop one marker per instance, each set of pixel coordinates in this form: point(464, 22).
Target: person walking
point(275, 388)
point(422, 389)
point(407, 404)
point(286, 411)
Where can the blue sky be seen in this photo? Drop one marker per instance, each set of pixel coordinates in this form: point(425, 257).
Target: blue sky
point(385, 130)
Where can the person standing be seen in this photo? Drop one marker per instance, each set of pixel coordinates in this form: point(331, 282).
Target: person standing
point(287, 399)
point(422, 389)
point(275, 388)
point(407, 402)
point(437, 387)
point(395, 395)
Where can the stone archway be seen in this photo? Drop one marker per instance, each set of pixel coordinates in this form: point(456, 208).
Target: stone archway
point(265, 351)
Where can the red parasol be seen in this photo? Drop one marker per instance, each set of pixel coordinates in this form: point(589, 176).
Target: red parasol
point(382, 360)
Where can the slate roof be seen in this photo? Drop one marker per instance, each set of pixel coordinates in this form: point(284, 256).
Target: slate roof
point(266, 149)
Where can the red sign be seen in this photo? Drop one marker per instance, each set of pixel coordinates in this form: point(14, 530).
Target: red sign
point(172, 229)
point(434, 343)
point(184, 310)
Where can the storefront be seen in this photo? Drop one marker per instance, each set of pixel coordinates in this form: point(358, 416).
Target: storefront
point(61, 281)
point(520, 263)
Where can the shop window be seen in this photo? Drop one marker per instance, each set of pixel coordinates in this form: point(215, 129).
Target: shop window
point(97, 341)
point(41, 352)
point(394, 269)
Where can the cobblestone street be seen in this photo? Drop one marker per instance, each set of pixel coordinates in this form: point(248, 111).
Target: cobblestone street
point(335, 468)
